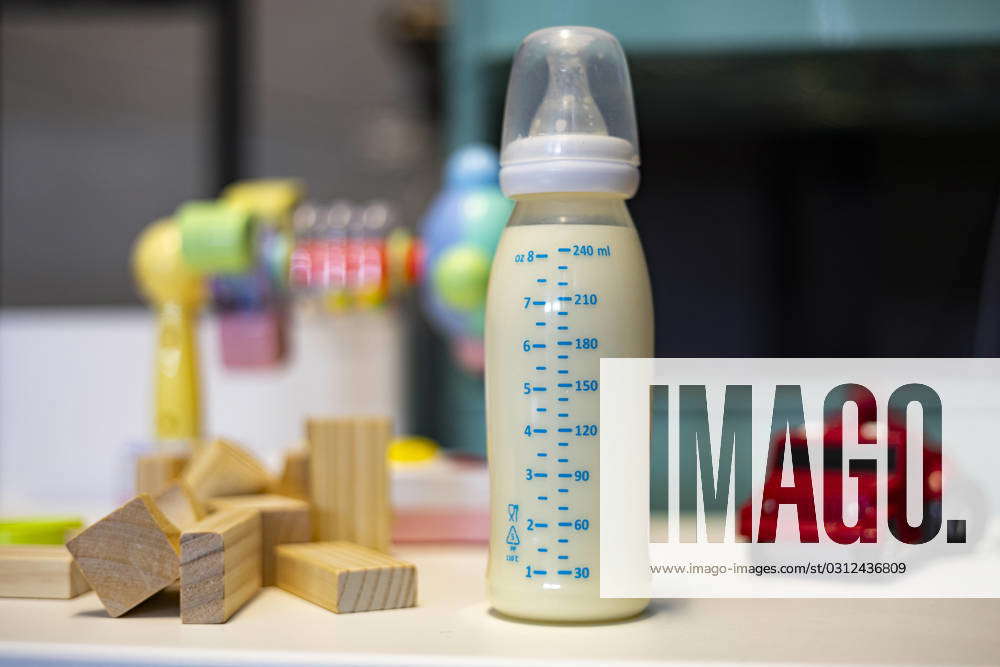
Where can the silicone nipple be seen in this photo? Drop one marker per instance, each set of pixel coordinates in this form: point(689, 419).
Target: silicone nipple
point(568, 103)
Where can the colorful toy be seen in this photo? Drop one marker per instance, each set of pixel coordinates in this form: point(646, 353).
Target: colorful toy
point(345, 577)
point(349, 257)
point(242, 243)
point(177, 292)
point(460, 234)
point(220, 565)
point(38, 530)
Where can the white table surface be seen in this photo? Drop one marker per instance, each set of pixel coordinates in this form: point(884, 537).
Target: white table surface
point(453, 625)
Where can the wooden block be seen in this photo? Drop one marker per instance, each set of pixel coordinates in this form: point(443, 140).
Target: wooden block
point(153, 472)
point(129, 555)
point(345, 577)
point(39, 571)
point(222, 468)
point(220, 565)
point(179, 503)
point(294, 480)
point(349, 479)
point(283, 520)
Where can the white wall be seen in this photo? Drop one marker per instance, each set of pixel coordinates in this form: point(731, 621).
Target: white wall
point(76, 396)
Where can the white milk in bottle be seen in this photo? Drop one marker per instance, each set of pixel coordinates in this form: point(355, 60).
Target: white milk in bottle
point(568, 286)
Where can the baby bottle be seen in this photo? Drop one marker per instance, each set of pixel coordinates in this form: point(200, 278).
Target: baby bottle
point(568, 286)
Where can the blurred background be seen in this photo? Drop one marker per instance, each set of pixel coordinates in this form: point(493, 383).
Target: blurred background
point(819, 178)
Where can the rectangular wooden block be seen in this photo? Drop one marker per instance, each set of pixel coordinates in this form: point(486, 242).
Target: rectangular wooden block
point(349, 479)
point(179, 503)
point(345, 577)
point(129, 555)
point(220, 565)
point(222, 468)
point(153, 472)
point(294, 480)
point(39, 571)
point(283, 520)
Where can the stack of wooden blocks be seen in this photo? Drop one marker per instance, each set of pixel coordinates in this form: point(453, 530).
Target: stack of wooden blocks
point(220, 524)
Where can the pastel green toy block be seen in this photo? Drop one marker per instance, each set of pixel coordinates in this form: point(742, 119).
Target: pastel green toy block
point(216, 237)
point(38, 530)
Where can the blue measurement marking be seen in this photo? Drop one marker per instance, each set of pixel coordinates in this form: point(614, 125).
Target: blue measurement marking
point(562, 327)
point(541, 525)
point(564, 524)
point(562, 540)
point(563, 557)
point(563, 460)
point(565, 430)
point(541, 430)
point(561, 414)
point(562, 312)
point(563, 371)
point(562, 283)
point(563, 249)
point(565, 298)
point(562, 356)
point(539, 389)
point(542, 255)
point(565, 342)
point(542, 454)
point(540, 572)
point(537, 303)
point(543, 280)
point(563, 490)
point(562, 267)
point(538, 345)
point(565, 572)
point(540, 368)
point(539, 324)
point(543, 497)
point(563, 444)
point(564, 384)
point(562, 399)
point(562, 508)
point(562, 474)
point(541, 474)
point(541, 409)
point(542, 549)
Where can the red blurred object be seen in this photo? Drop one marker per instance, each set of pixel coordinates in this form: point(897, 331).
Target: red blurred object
point(831, 490)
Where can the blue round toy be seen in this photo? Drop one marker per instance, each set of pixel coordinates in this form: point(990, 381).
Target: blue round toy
point(460, 232)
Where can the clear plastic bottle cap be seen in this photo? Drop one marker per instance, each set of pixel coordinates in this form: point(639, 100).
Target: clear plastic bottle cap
point(569, 122)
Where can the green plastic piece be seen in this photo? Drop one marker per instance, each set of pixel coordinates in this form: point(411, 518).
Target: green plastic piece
point(38, 530)
point(215, 237)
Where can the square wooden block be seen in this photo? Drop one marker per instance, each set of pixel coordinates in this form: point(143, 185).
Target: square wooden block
point(345, 577)
point(283, 520)
point(129, 555)
point(223, 468)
